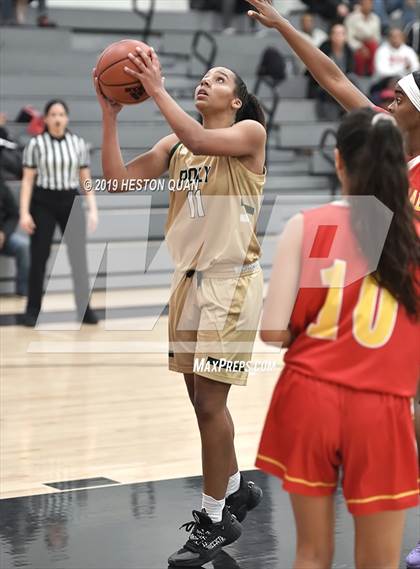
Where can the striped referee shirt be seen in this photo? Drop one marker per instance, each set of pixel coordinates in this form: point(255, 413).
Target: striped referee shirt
point(57, 160)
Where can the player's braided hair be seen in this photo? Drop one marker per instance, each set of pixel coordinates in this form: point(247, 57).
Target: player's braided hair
point(251, 108)
point(373, 153)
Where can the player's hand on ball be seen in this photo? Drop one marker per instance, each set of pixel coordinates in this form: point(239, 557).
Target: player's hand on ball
point(267, 15)
point(149, 70)
point(108, 107)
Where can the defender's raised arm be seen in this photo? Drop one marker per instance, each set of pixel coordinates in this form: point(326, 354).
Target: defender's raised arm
point(322, 68)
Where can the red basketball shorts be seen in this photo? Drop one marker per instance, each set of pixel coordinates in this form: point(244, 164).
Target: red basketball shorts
point(314, 428)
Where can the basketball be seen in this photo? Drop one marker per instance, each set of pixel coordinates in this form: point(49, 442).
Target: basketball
point(114, 82)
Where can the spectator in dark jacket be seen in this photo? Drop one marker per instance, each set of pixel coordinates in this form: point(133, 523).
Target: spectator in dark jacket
point(337, 48)
point(14, 12)
point(12, 243)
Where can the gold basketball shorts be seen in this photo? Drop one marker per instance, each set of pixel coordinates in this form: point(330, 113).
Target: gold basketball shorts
point(213, 322)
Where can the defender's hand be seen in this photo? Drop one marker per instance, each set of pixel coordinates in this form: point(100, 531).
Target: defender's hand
point(267, 15)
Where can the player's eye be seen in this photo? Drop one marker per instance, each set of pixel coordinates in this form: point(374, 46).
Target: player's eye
point(220, 79)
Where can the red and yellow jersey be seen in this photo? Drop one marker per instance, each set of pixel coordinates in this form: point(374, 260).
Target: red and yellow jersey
point(414, 176)
point(354, 334)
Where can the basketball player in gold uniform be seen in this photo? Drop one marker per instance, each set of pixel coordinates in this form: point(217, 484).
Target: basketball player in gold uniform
point(219, 173)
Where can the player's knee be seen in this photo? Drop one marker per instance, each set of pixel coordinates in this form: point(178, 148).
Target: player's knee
point(315, 556)
point(205, 410)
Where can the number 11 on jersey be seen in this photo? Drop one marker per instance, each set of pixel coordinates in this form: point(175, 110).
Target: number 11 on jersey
point(195, 203)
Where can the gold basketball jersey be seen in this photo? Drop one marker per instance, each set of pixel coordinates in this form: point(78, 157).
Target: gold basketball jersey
point(214, 205)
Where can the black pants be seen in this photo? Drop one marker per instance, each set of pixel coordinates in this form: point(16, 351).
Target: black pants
point(48, 208)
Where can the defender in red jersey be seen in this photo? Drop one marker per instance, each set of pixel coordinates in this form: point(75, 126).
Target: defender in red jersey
point(363, 323)
point(344, 297)
point(405, 108)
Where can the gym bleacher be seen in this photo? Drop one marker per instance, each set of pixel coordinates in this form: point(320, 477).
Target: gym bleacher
point(40, 64)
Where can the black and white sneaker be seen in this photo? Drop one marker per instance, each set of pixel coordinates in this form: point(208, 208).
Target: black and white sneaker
point(206, 539)
point(245, 499)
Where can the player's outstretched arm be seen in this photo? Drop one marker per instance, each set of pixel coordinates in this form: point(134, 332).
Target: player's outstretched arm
point(239, 140)
point(150, 165)
point(327, 74)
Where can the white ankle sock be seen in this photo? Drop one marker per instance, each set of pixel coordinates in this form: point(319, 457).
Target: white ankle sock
point(214, 508)
point(233, 484)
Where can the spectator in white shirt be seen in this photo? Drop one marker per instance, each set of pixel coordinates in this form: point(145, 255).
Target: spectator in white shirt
point(395, 57)
point(314, 34)
point(364, 34)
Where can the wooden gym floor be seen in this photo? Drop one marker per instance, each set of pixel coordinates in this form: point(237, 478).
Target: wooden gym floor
point(96, 405)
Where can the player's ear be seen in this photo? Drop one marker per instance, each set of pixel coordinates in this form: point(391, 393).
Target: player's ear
point(237, 104)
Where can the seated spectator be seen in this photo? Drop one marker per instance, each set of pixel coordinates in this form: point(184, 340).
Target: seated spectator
point(364, 35)
point(395, 57)
point(312, 33)
point(12, 244)
point(42, 19)
point(307, 26)
point(337, 48)
point(330, 10)
point(384, 8)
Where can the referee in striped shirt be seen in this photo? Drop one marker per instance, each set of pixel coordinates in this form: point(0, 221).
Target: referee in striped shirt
point(56, 165)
